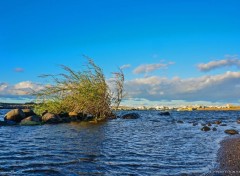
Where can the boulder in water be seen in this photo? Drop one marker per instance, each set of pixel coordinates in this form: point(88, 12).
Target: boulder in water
point(205, 128)
point(214, 129)
point(164, 113)
point(180, 121)
point(15, 115)
point(231, 131)
point(50, 118)
point(217, 122)
point(131, 116)
point(31, 120)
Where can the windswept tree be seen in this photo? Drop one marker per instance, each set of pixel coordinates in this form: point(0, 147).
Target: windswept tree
point(85, 91)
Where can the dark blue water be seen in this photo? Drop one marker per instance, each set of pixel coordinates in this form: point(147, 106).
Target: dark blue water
point(150, 145)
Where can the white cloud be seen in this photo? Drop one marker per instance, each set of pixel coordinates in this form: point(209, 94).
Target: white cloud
point(228, 61)
point(19, 89)
point(125, 66)
point(216, 88)
point(147, 68)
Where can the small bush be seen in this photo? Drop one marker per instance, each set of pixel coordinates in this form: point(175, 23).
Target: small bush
point(84, 91)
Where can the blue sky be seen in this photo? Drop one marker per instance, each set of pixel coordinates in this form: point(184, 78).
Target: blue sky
point(36, 36)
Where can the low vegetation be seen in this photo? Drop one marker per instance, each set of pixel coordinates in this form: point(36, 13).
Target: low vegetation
point(85, 91)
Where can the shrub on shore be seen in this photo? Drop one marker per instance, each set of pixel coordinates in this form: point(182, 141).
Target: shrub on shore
point(85, 91)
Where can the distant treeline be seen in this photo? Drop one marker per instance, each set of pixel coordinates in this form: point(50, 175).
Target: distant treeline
point(17, 105)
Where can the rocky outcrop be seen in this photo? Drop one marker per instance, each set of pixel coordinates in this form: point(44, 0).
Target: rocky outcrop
point(50, 118)
point(131, 116)
point(15, 115)
point(231, 131)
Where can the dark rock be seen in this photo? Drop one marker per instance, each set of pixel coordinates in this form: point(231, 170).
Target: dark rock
point(231, 132)
point(28, 112)
point(50, 118)
point(214, 129)
point(31, 120)
point(131, 116)
point(180, 121)
point(223, 125)
point(74, 116)
point(205, 128)
point(15, 115)
point(63, 114)
point(209, 124)
point(195, 124)
point(217, 122)
point(238, 121)
point(164, 113)
point(65, 120)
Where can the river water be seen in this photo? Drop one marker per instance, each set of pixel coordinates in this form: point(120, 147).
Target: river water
point(150, 145)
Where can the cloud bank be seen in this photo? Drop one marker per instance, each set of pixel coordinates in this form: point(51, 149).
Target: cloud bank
point(217, 88)
point(229, 61)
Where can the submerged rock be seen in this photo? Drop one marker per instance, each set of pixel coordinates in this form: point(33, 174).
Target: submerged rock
point(231, 131)
point(164, 113)
point(217, 122)
point(205, 128)
point(209, 124)
point(15, 115)
point(214, 129)
point(50, 118)
point(180, 121)
point(195, 124)
point(131, 116)
point(238, 121)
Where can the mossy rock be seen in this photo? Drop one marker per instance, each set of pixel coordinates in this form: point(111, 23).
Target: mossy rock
point(30, 123)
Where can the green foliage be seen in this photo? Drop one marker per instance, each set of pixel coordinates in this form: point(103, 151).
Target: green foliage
point(83, 91)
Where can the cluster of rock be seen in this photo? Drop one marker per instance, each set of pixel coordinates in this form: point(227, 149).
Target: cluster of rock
point(206, 127)
point(28, 117)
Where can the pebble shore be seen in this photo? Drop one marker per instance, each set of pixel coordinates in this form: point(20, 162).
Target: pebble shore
point(228, 157)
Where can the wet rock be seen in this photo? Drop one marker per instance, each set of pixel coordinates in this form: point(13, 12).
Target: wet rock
point(28, 112)
point(195, 124)
point(205, 128)
point(231, 131)
point(31, 120)
point(164, 113)
point(217, 122)
point(238, 121)
point(131, 116)
point(50, 118)
point(223, 125)
point(209, 124)
point(214, 129)
point(180, 121)
point(15, 115)
point(63, 114)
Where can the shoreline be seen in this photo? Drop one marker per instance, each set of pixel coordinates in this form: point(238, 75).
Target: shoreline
point(228, 157)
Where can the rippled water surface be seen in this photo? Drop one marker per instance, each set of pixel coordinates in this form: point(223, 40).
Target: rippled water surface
point(150, 145)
